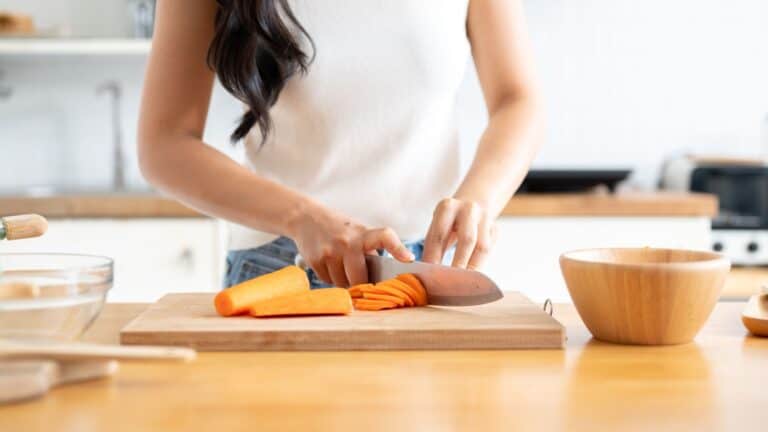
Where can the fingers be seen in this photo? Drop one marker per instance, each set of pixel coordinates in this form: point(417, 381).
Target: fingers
point(387, 239)
point(439, 231)
point(341, 261)
point(355, 268)
point(485, 239)
point(467, 224)
point(321, 270)
point(336, 271)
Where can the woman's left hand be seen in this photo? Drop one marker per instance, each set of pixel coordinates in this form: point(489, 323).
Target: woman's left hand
point(465, 223)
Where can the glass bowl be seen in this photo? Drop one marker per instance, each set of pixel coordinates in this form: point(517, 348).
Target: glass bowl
point(51, 296)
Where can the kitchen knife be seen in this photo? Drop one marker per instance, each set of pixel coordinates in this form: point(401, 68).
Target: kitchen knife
point(446, 286)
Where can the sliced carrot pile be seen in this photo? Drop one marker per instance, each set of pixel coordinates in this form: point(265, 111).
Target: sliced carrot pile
point(405, 290)
point(286, 292)
point(325, 301)
point(357, 290)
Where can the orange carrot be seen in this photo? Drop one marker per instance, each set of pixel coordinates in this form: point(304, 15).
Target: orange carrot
point(373, 305)
point(403, 291)
point(238, 299)
point(414, 282)
point(400, 301)
point(416, 297)
point(356, 291)
point(386, 289)
point(325, 301)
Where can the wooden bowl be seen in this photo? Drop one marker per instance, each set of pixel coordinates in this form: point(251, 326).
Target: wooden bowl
point(644, 296)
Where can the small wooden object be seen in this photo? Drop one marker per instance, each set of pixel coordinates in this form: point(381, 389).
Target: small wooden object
point(190, 320)
point(755, 315)
point(16, 24)
point(24, 226)
point(86, 351)
point(644, 296)
point(22, 380)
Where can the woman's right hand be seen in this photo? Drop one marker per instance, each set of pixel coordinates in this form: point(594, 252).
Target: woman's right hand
point(335, 246)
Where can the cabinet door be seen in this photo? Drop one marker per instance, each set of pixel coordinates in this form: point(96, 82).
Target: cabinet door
point(152, 256)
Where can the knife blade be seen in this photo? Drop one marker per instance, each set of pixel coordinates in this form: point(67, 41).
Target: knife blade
point(446, 286)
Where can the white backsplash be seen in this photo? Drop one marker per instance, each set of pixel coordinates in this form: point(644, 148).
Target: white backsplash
point(626, 83)
point(56, 131)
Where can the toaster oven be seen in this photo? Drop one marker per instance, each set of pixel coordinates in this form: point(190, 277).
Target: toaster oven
point(740, 230)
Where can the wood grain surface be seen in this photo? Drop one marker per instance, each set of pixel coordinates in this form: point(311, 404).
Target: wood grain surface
point(97, 206)
point(627, 204)
point(716, 383)
point(755, 315)
point(644, 296)
point(190, 320)
point(151, 205)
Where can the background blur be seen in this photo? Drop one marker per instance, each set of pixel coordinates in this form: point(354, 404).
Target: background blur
point(628, 84)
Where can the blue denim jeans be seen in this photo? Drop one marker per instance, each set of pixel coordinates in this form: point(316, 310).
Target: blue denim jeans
point(249, 263)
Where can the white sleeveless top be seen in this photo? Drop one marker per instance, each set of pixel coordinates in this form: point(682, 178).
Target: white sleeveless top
point(370, 131)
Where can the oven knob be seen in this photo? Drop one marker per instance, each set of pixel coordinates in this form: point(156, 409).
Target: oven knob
point(717, 247)
point(753, 247)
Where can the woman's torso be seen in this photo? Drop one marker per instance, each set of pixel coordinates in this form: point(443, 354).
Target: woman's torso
point(370, 131)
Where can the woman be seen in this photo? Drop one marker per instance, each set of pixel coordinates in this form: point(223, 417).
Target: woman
point(349, 131)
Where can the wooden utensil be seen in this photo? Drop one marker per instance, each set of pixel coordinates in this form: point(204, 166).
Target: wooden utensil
point(28, 379)
point(22, 226)
point(85, 351)
point(755, 315)
point(644, 296)
point(190, 320)
point(16, 24)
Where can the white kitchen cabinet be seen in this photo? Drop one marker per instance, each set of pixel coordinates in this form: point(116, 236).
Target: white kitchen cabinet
point(152, 256)
point(527, 249)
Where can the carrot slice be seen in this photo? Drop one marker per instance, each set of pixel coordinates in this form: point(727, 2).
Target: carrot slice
point(371, 305)
point(238, 299)
point(416, 297)
point(400, 301)
point(380, 288)
point(356, 291)
point(414, 282)
point(325, 301)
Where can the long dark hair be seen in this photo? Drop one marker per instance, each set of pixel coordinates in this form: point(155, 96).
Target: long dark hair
point(255, 49)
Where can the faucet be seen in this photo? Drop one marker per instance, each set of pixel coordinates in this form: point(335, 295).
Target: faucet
point(113, 89)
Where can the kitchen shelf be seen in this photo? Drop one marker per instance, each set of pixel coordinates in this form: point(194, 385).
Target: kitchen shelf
point(80, 46)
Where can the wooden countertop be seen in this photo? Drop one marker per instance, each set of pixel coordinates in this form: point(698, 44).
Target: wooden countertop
point(150, 205)
point(626, 204)
point(140, 205)
point(716, 383)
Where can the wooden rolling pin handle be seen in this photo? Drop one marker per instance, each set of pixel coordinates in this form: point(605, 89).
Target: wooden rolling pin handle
point(83, 351)
point(24, 226)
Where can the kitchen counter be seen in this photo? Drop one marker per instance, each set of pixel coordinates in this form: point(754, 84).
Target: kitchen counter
point(716, 383)
point(97, 205)
point(151, 205)
point(626, 204)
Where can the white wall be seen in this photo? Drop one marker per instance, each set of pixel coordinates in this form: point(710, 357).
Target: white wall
point(56, 129)
point(76, 17)
point(626, 83)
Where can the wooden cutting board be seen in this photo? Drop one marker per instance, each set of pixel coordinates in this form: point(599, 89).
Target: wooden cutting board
point(190, 320)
